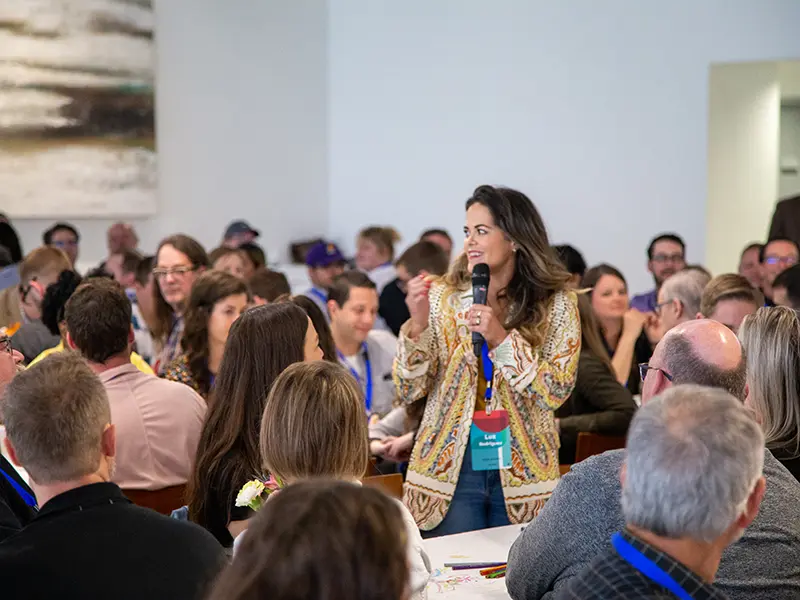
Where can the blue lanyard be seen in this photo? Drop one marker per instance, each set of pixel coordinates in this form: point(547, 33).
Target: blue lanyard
point(29, 500)
point(319, 294)
point(647, 567)
point(368, 387)
point(488, 370)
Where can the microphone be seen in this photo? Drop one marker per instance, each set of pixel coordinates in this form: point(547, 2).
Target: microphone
point(480, 291)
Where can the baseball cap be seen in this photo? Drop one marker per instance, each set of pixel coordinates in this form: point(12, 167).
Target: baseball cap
point(324, 254)
point(238, 227)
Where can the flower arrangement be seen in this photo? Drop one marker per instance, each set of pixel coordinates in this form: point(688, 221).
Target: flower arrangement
point(256, 492)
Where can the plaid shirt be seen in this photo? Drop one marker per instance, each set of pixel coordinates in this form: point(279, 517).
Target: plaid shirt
point(610, 576)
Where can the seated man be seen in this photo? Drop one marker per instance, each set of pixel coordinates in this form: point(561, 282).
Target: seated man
point(786, 288)
point(88, 541)
point(158, 422)
point(679, 297)
point(577, 522)
point(691, 484)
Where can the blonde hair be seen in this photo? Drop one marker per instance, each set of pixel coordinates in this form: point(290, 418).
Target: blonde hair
point(314, 424)
point(383, 237)
point(730, 286)
point(45, 260)
point(771, 340)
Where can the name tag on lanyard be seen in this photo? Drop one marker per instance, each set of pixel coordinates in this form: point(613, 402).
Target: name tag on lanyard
point(490, 437)
point(367, 385)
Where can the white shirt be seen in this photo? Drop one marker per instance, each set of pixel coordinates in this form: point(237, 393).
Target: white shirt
point(382, 276)
point(381, 348)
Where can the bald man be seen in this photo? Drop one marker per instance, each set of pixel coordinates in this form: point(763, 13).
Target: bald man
point(578, 521)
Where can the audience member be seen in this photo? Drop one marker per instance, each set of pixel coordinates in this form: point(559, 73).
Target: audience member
point(321, 539)
point(230, 260)
point(441, 238)
point(39, 339)
point(325, 263)
point(23, 303)
point(121, 238)
point(785, 222)
point(238, 233)
point(321, 326)
point(375, 254)
point(599, 403)
point(262, 343)
point(666, 255)
point(422, 257)
point(334, 443)
point(625, 332)
point(777, 255)
point(123, 267)
point(367, 353)
point(574, 263)
point(179, 261)
point(143, 308)
point(267, 286)
point(217, 299)
point(750, 264)
point(691, 484)
point(157, 422)
point(786, 288)
point(728, 299)
point(64, 237)
point(771, 341)
point(679, 298)
point(88, 538)
point(584, 511)
point(10, 240)
point(255, 259)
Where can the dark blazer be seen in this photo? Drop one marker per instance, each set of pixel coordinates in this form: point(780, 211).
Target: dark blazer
point(92, 543)
point(598, 404)
point(786, 220)
point(14, 512)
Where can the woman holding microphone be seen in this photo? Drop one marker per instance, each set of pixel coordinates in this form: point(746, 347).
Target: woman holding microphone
point(486, 452)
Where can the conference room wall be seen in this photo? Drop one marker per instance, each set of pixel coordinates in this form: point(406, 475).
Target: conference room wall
point(599, 114)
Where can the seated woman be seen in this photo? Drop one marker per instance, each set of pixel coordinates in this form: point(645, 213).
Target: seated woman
point(324, 401)
point(262, 343)
point(317, 317)
point(625, 332)
point(771, 342)
point(599, 403)
point(728, 299)
point(55, 300)
point(321, 539)
point(215, 302)
point(229, 260)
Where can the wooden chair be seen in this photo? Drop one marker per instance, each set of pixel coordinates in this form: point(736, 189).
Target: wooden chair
point(590, 444)
point(391, 485)
point(564, 469)
point(163, 501)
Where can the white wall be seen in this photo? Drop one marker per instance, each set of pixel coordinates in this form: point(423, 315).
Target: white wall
point(600, 115)
point(789, 183)
point(241, 124)
point(744, 126)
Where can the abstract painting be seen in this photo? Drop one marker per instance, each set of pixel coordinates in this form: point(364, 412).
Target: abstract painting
point(77, 109)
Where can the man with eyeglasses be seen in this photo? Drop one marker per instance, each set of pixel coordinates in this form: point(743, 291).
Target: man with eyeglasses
point(584, 512)
point(776, 256)
point(64, 237)
point(666, 255)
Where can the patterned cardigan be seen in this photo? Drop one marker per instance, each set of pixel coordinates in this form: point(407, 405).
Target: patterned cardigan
point(530, 383)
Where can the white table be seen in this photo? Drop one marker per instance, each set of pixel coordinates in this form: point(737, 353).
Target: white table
point(485, 545)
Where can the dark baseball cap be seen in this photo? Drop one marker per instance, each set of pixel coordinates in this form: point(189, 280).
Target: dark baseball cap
point(324, 254)
point(238, 227)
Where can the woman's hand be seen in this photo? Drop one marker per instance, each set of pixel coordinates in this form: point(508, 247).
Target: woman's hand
point(653, 328)
point(378, 447)
point(483, 320)
point(399, 449)
point(632, 323)
point(418, 303)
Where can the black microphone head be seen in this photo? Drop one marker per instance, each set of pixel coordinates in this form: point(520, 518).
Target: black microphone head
point(480, 274)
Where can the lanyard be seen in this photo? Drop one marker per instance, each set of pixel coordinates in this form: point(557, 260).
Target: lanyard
point(29, 500)
point(647, 567)
point(488, 374)
point(319, 294)
point(368, 370)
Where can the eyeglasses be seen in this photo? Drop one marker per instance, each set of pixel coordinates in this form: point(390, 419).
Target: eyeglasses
point(5, 344)
point(781, 260)
point(66, 244)
point(645, 367)
point(661, 305)
point(663, 258)
point(174, 271)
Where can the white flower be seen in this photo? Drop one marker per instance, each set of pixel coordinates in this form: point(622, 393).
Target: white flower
point(250, 491)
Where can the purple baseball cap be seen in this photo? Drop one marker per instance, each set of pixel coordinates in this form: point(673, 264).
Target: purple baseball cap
point(324, 254)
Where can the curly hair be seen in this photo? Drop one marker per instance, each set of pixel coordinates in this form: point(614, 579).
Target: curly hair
point(210, 288)
point(55, 300)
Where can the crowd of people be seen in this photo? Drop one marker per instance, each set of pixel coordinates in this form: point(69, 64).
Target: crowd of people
point(265, 407)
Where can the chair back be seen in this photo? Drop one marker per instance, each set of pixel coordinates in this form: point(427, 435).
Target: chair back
point(391, 485)
point(590, 444)
point(163, 501)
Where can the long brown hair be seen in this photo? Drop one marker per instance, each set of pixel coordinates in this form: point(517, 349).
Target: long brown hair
point(321, 540)
point(210, 288)
point(261, 344)
point(314, 312)
point(591, 338)
point(164, 313)
point(538, 272)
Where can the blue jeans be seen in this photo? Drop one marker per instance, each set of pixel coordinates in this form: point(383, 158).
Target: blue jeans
point(478, 502)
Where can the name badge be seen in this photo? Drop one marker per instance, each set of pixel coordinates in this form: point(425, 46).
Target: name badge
point(490, 441)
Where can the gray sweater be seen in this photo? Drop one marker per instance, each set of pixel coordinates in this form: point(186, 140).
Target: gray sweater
point(577, 522)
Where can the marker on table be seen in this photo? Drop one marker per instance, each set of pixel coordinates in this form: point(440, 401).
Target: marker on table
point(465, 566)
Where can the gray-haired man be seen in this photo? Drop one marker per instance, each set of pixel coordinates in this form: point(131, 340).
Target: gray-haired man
point(691, 485)
point(584, 512)
point(679, 297)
